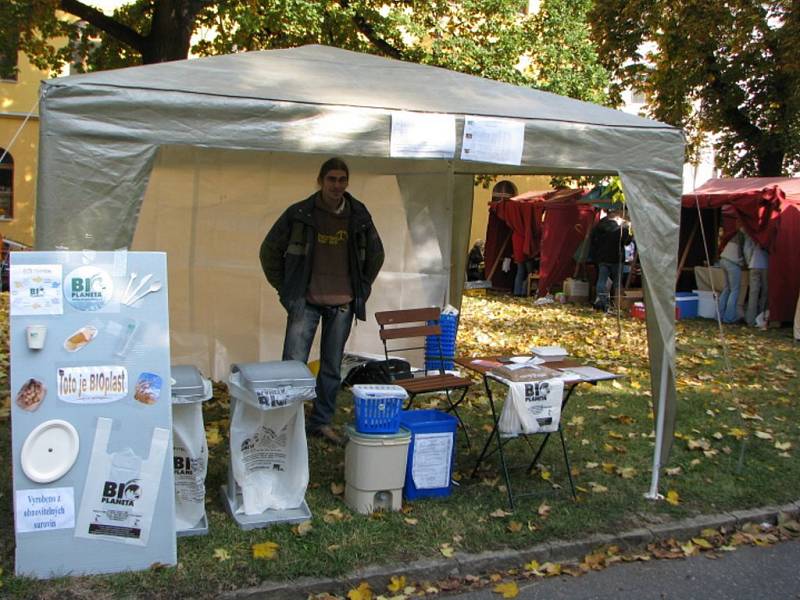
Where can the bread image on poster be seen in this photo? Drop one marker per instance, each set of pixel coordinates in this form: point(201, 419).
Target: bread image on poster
point(31, 394)
point(148, 388)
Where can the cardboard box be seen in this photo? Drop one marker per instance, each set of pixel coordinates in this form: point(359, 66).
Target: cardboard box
point(576, 290)
point(629, 297)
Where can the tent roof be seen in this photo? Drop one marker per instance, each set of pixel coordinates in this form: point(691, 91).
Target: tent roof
point(719, 191)
point(332, 76)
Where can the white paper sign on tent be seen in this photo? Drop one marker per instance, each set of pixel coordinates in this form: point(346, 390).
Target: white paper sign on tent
point(493, 140)
point(422, 135)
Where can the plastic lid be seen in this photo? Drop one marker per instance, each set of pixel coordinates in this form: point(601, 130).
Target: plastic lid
point(188, 382)
point(378, 390)
point(49, 451)
point(256, 376)
point(402, 434)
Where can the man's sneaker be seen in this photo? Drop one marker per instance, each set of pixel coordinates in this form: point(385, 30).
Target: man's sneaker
point(327, 433)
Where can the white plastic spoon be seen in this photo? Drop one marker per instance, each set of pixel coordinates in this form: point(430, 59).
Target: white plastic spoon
point(154, 287)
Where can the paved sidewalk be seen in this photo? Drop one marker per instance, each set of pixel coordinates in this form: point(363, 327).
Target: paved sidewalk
point(474, 564)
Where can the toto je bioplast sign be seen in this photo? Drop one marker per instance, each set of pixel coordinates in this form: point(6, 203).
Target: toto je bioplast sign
point(89, 385)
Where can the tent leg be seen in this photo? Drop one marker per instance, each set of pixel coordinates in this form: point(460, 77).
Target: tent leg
point(653, 494)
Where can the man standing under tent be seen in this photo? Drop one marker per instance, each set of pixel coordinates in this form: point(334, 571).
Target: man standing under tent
point(757, 261)
point(607, 249)
point(731, 259)
point(322, 256)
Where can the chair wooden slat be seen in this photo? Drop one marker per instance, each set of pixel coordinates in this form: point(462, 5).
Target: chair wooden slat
point(399, 333)
point(411, 315)
point(433, 383)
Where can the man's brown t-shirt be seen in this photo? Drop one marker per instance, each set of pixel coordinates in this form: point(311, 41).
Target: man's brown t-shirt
point(330, 269)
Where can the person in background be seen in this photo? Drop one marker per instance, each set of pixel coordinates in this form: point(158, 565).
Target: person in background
point(475, 261)
point(731, 260)
point(607, 248)
point(757, 261)
point(322, 256)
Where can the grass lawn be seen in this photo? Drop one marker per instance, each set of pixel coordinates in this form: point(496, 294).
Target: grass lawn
point(736, 438)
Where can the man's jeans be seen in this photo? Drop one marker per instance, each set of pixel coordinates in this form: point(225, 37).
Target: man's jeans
point(757, 296)
point(730, 295)
point(300, 330)
point(604, 271)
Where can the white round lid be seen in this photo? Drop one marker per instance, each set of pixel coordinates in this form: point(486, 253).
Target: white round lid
point(49, 451)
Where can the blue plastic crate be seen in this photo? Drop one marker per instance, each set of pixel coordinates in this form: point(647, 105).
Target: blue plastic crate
point(428, 421)
point(448, 324)
point(378, 407)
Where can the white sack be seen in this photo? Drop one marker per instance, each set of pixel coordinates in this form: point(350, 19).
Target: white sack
point(190, 461)
point(532, 407)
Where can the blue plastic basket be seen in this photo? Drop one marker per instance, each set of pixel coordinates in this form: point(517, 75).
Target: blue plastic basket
point(421, 422)
point(377, 407)
point(448, 323)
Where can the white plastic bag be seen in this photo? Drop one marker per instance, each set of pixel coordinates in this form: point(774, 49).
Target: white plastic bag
point(532, 407)
point(121, 489)
point(190, 462)
point(269, 456)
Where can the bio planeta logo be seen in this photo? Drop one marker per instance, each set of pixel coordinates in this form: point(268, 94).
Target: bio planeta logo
point(88, 288)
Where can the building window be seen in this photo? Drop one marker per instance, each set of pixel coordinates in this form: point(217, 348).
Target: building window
point(6, 185)
point(8, 58)
point(503, 191)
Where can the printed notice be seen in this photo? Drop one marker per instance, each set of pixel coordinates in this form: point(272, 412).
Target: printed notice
point(35, 290)
point(430, 464)
point(423, 135)
point(45, 509)
point(493, 140)
point(92, 385)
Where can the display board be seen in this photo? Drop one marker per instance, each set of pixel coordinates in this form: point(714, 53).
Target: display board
point(91, 412)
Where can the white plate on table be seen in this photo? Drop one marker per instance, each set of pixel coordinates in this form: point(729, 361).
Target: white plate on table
point(526, 360)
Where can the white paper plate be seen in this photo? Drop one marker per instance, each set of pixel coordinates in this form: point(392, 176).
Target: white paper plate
point(549, 351)
point(49, 451)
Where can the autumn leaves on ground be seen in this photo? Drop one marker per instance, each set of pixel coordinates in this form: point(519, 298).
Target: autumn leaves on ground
point(735, 445)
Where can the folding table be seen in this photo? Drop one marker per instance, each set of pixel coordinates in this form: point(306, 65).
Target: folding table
point(484, 366)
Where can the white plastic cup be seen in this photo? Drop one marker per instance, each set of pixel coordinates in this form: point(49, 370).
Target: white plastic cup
point(36, 336)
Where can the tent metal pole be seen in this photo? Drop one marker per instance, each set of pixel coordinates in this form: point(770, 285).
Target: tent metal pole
point(653, 494)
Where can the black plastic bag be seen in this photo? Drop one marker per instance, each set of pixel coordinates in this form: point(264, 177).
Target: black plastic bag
point(378, 372)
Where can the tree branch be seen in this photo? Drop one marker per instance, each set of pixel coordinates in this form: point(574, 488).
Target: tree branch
point(94, 17)
point(368, 30)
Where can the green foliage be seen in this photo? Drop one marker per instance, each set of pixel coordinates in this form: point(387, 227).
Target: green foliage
point(728, 68)
point(550, 50)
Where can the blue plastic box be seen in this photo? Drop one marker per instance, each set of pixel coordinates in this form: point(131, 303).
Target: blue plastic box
point(448, 323)
point(425, 422)
point(377, 407)
point(686, 304)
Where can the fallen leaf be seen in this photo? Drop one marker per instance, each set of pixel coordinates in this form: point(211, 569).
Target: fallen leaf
point(337, 489)
point(597, 488)
point(396, 583)
point(626, 472)
point(410, 521)
point(265, 550)
point(221, 554)
point(544, 510)
point(362, 592)
point(334, 515)
point(212, 436)
point(763, 435)
point(447, 550)
point(673, 471)
point(702, 542)
point(531, 566)
point(500, 513)
point(783, 445)
point(302, 529)
point(508, 590)
point(673, 498)
point(514, 527)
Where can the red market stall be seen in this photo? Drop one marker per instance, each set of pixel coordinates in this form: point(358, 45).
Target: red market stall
point(769, 209)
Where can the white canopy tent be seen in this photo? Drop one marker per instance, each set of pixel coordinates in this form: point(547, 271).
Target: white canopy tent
point(199, 157)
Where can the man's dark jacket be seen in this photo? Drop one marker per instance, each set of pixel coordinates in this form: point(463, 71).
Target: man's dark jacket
point(607, 243)
point(287, 253)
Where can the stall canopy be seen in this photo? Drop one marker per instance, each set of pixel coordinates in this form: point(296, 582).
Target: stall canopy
point(199, 157)
point(547, 225)
point(769, 209)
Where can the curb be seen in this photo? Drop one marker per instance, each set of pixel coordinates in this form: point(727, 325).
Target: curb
point(463, 564)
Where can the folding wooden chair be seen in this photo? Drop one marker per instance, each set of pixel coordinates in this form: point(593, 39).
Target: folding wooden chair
point(409, 327)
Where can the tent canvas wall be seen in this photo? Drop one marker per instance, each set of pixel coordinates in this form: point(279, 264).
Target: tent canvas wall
point(109, 138)
point(769, 208)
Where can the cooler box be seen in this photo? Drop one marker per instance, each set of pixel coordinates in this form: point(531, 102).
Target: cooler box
point(448, 323)
point(576, 290)
point(685, 305)
point(268, 468)
point(706, 304)
point(375, 469)
point(431, 455)
point(190, 449)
